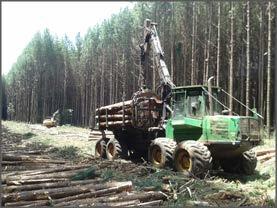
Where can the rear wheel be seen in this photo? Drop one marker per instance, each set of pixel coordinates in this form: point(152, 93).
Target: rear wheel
point(115, 150)
point(161, 151)
point(248, 162)
point(192, 157)
point(100, 148)
point(244, 164)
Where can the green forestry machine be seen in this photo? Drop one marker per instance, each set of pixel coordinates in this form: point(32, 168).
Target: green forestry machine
point(184, 128)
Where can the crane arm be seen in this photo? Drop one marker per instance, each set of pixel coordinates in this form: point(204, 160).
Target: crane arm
point(151, 39)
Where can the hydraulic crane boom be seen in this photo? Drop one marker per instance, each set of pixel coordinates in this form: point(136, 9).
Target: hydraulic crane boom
point(151, 38)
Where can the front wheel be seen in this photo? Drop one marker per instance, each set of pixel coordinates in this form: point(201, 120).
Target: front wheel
point(100, 148)
point(192, 157)
point(160, 152)
point(115, 150)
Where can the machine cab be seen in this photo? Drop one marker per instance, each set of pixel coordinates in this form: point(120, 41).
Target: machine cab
point(192, 101)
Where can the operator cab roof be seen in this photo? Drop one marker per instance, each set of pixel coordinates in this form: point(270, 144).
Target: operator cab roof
point(194, 88)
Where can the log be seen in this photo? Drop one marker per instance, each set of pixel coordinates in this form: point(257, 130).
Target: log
point(59, 184)
point(115, 123)
point(64, 174)
point(267, 162)
point(37, 203)
point(113, 117)
point(264, 151)
point(54, 193)
point(127, 111)
point(118, 187)
point(144, 196)
point(266, 157)
point(36, 181)
point(141, 197)
point(49, 170)
point(16, 157)
point(155, 203)
point(37, 162)
point(149, 188)
point(86, 201)
point(24, 152)
point(114, 107)
point(115, 204)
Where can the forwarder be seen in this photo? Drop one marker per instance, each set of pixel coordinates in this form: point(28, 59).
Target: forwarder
point(186, 128)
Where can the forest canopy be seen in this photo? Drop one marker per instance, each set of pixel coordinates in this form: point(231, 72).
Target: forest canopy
point(229, 40)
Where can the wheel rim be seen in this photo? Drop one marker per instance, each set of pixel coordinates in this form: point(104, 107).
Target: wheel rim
point(98, 149)
point(111, 150)
point(183, 161)
point(157, 155)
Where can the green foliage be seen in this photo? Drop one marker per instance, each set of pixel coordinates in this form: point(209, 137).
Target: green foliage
point(108, 175)
point(85, 174)
point(28, 135)
point(66, 152)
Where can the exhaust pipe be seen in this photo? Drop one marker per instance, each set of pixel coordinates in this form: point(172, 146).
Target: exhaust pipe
point(210, 95)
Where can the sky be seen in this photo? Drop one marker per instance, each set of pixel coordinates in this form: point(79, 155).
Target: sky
point(21, 20)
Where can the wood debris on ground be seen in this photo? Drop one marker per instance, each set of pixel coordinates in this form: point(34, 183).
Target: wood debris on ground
point(266, 155)
point(34, 179)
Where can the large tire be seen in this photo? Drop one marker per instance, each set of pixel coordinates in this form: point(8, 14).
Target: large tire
point(248, 162)
point(160, 152)
point(100, 149)
point(244, 164)
point(192, 158)
point(115, 150)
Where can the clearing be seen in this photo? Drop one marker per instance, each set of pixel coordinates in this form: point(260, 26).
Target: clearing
point(46, 167)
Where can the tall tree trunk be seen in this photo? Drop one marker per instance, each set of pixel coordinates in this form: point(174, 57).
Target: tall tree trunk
point(208, 44)
point(111, 79)
point(116, 81)
point(102, 93)
point(268, 100)
point(205, 44)
point(261, 63)
point(193, 45)
point(172, 44)
point(218, 44)
point(231, 61)
point(247, 56)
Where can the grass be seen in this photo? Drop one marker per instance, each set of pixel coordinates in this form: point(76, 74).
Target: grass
point(28, 135)
point(67, 140)
point(67, 152)
point(89, 173)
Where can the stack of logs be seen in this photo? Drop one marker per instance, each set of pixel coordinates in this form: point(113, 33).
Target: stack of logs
point(55, 186)
point(143, 111)
point(115, 115)
point(28, 159)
